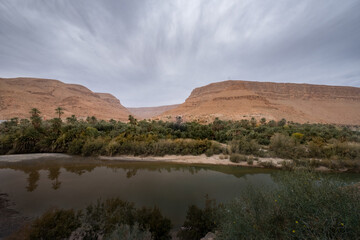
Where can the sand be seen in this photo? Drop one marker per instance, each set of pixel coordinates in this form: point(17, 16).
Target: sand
point(188, 159)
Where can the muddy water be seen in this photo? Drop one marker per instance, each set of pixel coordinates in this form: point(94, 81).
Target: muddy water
point(37, 185)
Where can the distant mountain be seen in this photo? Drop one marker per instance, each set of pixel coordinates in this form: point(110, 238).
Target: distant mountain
point(295, 102)
point(150, 112)
point(19, 95)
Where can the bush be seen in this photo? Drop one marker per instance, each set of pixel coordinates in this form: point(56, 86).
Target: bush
point(286, 147)
point(304, 206)
point(198, 221)
point(76, 146)
point(105, 217)
point(245, 146)
point(129, 233)
point(236, 158)
point(93, 147)
point(55, 224)
point(153, 220)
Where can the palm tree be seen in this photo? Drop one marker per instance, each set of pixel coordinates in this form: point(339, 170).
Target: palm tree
point(35, 112)
point(59, 111)
point(35, 117)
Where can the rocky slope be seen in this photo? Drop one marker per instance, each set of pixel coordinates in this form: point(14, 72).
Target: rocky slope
point(19, 95)
point(295, 102)
point(149, 112)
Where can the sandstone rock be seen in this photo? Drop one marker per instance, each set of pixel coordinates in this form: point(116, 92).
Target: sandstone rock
point(19, 95)
point(236, 100)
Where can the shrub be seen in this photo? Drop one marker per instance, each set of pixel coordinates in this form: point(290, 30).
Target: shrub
point(286, 147)
point(55, 224)
point(245, 146)
point(209, 152)
point(112, 148)
point(75, 146)
point(297, 136)
point(303, 206)
point(93, 147)
point(199, 221)
point(129, 233)
point(236, 158)
point(153, 220)
point(105, 217)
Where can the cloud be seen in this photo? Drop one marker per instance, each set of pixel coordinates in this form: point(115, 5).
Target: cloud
point(150, 53)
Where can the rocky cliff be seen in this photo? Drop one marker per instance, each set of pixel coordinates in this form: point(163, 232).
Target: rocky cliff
point(19, 95)
point(295, 102)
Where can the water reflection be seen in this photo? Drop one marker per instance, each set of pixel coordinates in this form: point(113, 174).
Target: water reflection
point(36, 186)
point(32, 179)
point(80, 166)
point(79, 169)
point(53, 175)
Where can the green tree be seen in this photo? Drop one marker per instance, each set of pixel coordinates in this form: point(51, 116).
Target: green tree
point(263, 121)
point(71, 119)
point(35, 117)
point(282, 122)
point(132, 120)
point(253, 122)
point(92, 120)
point(59, 111)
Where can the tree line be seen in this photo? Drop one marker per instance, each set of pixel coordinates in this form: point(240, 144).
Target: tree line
point(249, 137)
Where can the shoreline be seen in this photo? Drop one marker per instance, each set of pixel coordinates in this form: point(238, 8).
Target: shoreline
point(190, 159)
point(259, 162)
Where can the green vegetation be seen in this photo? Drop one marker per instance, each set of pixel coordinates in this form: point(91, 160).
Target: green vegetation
point(303, 206)
point(55, 224)
point(199, 221)
point(109, 219)
point(336, 146)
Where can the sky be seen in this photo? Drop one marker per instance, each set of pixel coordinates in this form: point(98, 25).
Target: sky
point(155, 52)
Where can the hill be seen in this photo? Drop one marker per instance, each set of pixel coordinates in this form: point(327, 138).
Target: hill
point(150, 112)
point(302, 103)
point(19, 95)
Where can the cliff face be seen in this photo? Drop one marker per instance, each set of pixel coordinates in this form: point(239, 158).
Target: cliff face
point(295, 102)
point(19, 95)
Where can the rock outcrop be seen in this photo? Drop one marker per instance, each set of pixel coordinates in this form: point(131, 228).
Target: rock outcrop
point(19, 95)
point(236, 100)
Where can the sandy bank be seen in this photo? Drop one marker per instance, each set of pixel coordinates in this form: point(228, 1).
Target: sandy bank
point(187, 159)
point(201, 159)
point(31, 156)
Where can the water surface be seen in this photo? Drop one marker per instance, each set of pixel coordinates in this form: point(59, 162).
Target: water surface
point(37, 185)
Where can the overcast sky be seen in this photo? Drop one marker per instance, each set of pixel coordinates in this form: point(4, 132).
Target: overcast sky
point(150, 53)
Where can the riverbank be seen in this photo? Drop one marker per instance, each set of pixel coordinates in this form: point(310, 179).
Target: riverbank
point(258, 162)
point(200, 159)
point(10, 219)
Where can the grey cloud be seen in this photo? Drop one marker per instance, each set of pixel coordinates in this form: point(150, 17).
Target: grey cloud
point(151, 53)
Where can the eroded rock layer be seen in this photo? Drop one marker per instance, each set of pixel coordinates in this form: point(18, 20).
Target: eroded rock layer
point(295, 102)
point(19, 95)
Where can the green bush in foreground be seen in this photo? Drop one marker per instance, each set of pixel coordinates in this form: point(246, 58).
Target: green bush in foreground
point(199, 221)
point(55, 224)
point(109, 219)
point(302, 207)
